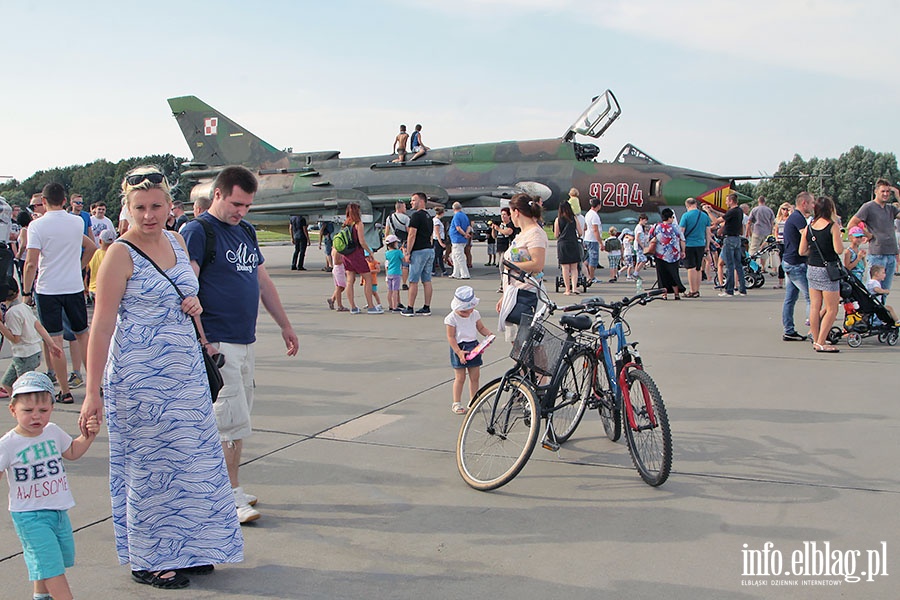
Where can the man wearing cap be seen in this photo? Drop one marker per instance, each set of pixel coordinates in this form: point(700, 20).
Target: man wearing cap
point(877, 218)
point(59, 249)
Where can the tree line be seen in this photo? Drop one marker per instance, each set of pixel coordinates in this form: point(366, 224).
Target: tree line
point(98, 180)
point(849, 179)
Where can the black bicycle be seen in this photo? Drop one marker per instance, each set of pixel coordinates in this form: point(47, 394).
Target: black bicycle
point(553, 381)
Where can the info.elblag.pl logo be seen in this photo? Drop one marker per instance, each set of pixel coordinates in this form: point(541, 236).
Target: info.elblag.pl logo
point(811, 564)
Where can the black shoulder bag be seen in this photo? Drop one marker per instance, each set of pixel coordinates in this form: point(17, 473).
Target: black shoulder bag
point(832, 267)
point(213, 364)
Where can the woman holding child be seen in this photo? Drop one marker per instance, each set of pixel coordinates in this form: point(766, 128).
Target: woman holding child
point(173, 508)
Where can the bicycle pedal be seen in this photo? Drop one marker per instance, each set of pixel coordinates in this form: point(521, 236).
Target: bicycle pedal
point(551, 446)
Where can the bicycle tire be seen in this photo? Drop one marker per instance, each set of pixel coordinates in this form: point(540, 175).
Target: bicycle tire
point(490, 453)
point(577, 376)
point(650, 446)
point(610, 408)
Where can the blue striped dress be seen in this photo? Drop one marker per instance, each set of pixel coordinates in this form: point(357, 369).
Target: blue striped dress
point(172, 503)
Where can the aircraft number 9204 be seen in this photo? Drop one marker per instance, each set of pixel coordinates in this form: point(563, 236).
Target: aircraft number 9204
point(620, 195)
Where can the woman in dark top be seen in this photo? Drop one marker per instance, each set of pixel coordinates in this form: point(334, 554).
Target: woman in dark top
point(820, 241)
point(505, 233)
point(568, 232)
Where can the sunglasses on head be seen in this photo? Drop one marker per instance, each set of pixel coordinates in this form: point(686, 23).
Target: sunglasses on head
point(154, 178)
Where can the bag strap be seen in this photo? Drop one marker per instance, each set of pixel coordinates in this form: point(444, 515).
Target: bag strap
point(163, 273)
point(811, 233)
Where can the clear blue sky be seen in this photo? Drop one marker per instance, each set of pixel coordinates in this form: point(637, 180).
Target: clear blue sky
point(729, 87)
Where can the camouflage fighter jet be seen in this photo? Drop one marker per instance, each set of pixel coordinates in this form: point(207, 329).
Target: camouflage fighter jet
point(480, 176)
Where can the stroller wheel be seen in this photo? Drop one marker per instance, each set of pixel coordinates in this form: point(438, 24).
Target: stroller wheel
point(854, 340)
point(834, 335)
point(891, 337)
point(559, 283)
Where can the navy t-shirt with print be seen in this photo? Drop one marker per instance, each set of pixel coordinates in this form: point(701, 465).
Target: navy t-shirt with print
point(229, 286)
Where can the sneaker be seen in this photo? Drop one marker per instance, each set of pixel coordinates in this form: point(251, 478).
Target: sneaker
point(425, 311)
point(395, 310)
point(400, 305)
point(404, 287)
point(374, 311)
point(407, 312)
point(75, 380)
point(355, 310)
point(379, 308)
point(725, 295)
point(241, 497)
point(793, 337)
point(742, 293)
point(52, 377)
point(247, 513)
point(65, 398)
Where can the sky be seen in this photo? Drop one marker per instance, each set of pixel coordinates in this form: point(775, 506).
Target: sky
point(727, 87)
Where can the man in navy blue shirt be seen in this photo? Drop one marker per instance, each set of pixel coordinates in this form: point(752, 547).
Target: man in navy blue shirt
point(795, 266)
point(231, 286)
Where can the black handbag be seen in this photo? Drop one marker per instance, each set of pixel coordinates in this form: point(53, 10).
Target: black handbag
point(212, 363)
point(833, 267)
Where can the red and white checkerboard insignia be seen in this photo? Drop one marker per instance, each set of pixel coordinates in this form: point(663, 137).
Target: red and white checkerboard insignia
point(210, 125)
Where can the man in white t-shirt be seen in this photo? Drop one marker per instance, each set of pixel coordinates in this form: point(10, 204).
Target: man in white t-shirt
point(99, 220)
point(55, 243)
point(592, 237)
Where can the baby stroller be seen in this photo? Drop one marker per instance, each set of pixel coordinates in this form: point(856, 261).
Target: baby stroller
point(864, 316)
point(753, 275)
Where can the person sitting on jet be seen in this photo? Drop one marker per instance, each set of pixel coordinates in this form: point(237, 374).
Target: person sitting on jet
point(416, 144)
point(400, 145)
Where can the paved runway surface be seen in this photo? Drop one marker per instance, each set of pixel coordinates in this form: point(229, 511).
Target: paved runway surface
point(353, 461)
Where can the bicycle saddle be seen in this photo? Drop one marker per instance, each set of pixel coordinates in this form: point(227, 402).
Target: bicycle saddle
point(578, 322)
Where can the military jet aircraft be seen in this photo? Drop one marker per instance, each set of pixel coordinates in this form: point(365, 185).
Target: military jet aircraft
point(480, 176)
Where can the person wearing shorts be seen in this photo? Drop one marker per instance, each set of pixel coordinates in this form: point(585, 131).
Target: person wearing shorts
point(420, 254)
point(55, 244)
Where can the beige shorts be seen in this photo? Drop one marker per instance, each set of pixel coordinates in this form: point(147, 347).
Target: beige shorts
point(236, 397)
point(756, 242)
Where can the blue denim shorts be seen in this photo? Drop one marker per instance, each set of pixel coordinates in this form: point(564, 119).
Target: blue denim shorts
point(466, 347)
point(593, 253)
point(420, 264)
point(47, 542)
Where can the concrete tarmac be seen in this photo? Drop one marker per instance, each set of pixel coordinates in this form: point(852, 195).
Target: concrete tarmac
point(353, 460)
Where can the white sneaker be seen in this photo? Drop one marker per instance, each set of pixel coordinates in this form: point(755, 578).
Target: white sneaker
point(241, 497)
point(247, 513)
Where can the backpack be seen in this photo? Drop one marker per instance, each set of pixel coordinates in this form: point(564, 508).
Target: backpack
point(209, 249)
point(343, 242)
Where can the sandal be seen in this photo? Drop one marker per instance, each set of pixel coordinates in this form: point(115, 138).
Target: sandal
point(156, 579)
point(458, 408)
point(343, 309)
point(821, 348)
point(330, 303)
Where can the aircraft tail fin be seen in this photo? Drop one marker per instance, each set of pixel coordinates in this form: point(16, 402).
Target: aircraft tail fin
point(216, 140)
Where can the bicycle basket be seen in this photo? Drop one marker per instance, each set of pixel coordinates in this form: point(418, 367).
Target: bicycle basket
point(539, 347)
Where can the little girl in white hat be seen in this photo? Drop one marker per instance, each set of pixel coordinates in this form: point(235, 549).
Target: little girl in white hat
point(463, 326)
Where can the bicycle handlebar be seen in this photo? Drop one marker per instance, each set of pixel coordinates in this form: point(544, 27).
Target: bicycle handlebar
point(594, 304)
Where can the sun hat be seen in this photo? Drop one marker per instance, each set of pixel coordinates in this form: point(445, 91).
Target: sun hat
point(32, 381)
point(391, 239)
point(857, 232)
point(464, 298)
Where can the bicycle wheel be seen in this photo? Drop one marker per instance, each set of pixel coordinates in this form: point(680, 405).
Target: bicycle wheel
point(498, 434)
point(609, 407)
point(574, 391)
point(650, 444)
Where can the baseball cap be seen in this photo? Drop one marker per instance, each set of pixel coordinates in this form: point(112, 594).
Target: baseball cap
point(391, 239)
point(857, 232)
point(108, 236)
point(32, 381)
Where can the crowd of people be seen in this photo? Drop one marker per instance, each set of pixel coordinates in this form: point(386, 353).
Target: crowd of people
point(168, 290)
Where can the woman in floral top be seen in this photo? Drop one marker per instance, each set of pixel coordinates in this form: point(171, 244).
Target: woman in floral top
point(669, 242)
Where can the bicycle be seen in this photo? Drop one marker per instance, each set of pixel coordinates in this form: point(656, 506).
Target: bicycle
point(613, 379)
point(552, 381)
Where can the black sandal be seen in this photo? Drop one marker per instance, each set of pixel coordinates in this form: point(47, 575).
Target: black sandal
point(176, 582)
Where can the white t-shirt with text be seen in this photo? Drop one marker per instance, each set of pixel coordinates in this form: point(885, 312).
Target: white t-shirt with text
point(34, 468)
